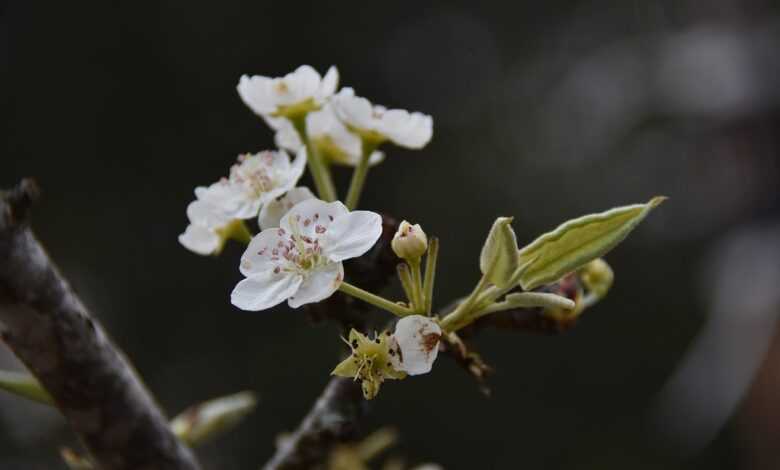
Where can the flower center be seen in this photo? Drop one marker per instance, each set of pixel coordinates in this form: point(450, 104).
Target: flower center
point(303, 253)
point(254, 176)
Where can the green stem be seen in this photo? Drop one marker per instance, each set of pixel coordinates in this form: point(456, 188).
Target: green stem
point(430, 273)
point(461, 315)
point(374, 300)
point(405, 275)
point(419, 300)
point(359, 176)
point(320, 172)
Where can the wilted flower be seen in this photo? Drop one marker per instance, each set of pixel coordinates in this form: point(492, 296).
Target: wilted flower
point(377, 124)
point(271, 213)
point(416, 341)
point(291, 96)
point(208, 229)
point(253, 181)
point(370, 362)
point(301, 261)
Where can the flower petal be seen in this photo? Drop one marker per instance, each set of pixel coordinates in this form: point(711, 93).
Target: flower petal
point(312, 217)
point(318, 285)
point(329, 83)
point(351, 235)
point(259, 293)
point(417, 338)
point(200, 240)
point(412, 131)
point(271, 213)
point(264, 253)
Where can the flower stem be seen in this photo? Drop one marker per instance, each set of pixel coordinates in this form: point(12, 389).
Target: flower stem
point(320, 172)
point(374, 300)
point(419, 299)
point(240, 232)
point(359, 176)
point(405, 276)
point(461, 316)
point(430, 273)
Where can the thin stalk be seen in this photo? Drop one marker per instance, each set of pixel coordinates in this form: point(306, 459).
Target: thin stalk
point(405, 275)
point(430, 273)
point(460, 316)
point(359, 176)
point(320, 172)
point(419, 299)
point(374, 300)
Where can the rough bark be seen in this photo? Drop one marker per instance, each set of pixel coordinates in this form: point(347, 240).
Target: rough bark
point(333, 419)
point(93, 384)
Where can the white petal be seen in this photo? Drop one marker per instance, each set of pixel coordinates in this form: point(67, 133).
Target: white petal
point(254, 93)
point(318, 285)
point(271, 213)
point(262, 256)
point(206, 215)
point(352, 234)
point(407, 130)
point(227, 197)
point(313, 217)
point(418, 339)
point(259, 293)
point(329, 83)
point(200, 240)
point(353, 110)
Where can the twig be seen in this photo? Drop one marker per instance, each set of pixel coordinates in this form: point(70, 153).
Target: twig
point(92, 383)
point(333, 420)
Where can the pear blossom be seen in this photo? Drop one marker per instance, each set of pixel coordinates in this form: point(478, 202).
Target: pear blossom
point(370, 362)
point(254, 181)
point(410, 241)
point(206, 233)
point(272, 212)
point(327, 134)
point(377, 124)
point(293, 95)
point(416, 343)
point(301, 261)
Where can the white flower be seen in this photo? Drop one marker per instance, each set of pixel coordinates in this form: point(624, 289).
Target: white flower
point(328, 134)
point(206, 233)
point(293, 95)
point(272, 212)
point(301, 261)
point(416, 344)
point(377, 124)
point(254, 181)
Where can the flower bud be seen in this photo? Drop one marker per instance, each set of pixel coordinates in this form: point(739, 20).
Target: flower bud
point(409, 242)
point(597, 277)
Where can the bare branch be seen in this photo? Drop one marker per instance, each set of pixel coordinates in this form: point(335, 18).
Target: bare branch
point(92, 383)
point(333, 419)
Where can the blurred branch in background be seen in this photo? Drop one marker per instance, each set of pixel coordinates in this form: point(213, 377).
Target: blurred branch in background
point(740, 283)
point(51, 331)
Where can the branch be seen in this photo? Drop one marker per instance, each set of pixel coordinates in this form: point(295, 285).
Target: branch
point(92, 383)
point(333, 419)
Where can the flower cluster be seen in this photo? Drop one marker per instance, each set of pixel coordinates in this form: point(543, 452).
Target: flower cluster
point(304, 237)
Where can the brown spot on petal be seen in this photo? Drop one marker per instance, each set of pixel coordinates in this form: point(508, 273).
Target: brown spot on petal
point(430, 341)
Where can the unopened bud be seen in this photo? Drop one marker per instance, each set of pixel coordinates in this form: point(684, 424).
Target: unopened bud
point(409, 242)
point(211, 418)
point(597, 277)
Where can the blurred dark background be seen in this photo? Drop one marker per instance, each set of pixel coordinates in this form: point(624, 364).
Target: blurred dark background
point(544, 110)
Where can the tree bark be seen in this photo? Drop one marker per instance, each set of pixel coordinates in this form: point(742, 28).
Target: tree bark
point(93, 384)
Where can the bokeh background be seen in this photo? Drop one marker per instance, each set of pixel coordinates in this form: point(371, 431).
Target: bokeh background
point(544, 110)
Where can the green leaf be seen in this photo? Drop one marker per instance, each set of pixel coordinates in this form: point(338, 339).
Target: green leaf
point(498, 260)
point(579, 241)
point(538, 299)
point(24, 385)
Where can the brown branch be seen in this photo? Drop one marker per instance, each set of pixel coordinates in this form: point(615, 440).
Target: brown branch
point(92, 383)
point(333, 420)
